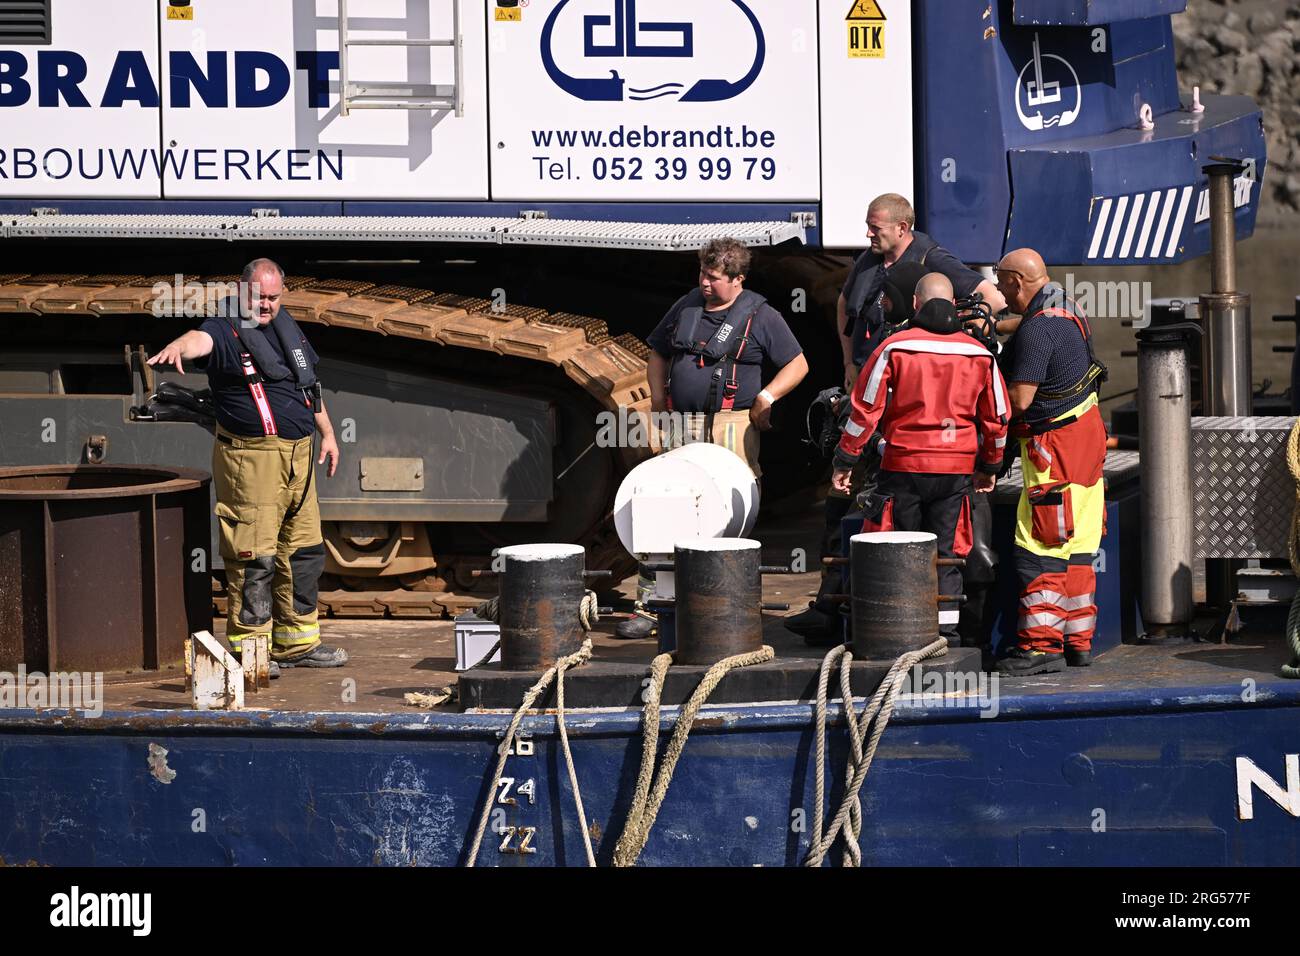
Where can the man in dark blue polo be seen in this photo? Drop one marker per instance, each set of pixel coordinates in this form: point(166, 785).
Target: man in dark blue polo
point(263, 376)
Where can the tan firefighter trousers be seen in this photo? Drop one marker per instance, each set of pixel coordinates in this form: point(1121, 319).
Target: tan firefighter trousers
point(273, 559)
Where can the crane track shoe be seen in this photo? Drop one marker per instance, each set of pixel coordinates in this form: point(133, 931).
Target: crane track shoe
point(322, 655)
point(636, 628)
point(1078, 658)
point(1022, 663)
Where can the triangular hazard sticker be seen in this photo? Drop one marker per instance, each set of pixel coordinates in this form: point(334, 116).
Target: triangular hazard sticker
point(866, 10)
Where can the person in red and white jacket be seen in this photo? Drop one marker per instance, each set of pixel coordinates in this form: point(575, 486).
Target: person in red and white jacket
point(932, 402)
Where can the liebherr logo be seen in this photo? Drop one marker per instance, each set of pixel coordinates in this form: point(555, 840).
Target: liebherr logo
point(1250, 776)
point(75, 909)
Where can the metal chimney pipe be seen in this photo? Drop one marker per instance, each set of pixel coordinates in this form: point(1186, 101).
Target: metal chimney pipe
point(1165, 444)
point(1225, 312)
point(1223, 228)
point(1226, 360)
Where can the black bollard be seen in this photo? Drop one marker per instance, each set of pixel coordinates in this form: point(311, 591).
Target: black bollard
point(719, 599)
point(541, 591)
point(895, 585)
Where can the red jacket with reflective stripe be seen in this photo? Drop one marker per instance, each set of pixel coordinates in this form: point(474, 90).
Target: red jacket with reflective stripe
point(939, 400)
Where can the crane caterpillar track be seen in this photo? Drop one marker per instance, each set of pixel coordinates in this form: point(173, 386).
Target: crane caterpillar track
point(611, 370)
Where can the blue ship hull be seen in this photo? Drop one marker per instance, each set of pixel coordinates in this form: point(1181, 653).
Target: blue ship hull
point(1067, 774)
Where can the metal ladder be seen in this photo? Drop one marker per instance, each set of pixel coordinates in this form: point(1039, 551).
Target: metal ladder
point(404, 96)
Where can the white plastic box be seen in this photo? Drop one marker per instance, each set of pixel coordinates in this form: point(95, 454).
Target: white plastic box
point(474, 638)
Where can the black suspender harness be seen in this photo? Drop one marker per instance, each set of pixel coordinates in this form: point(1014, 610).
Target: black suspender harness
point(874, 277)
point(1092, 379)
point(720, 345)
point(256, 355)
point(260, 363)
point(253, 379)
point(727, 389)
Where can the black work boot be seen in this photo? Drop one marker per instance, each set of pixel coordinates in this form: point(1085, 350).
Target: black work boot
point(818, 625)
point(273, 670)
point(637, 628)
point(1075, 658)
point(1020, 662)
point(322, 655)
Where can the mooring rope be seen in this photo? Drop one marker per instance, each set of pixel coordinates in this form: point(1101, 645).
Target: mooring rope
point(582, 655)
point(880, 709)
point(588, 611)
point(1292, 669)
point(648, 798)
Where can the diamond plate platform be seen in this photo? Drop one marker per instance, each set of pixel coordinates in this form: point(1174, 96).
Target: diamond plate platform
point(670, 237)
point(1242, 492)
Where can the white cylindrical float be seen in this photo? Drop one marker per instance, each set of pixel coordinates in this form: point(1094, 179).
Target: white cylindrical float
point(700, 490)
point(694, 492)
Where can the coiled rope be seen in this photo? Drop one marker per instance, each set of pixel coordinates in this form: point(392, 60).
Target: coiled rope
point(555, 673)
point(490, 610)
point(652, 785)
point(1292, 669)
point(880, 709)
point(588, 610)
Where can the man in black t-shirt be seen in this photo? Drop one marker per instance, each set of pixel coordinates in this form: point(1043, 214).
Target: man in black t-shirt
point(707, 360)
point(708, 355)
point(262, 371)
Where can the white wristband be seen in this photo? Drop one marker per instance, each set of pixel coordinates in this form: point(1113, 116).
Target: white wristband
point(767, 395)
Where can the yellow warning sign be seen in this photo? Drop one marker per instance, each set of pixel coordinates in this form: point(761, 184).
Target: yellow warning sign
point(180, 13)
point(510, 14)
point(866, 22)
point(866, 10)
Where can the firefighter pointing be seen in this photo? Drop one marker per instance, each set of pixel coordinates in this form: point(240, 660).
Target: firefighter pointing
point(262, 371)
point(942, 410)
point(1060, 520)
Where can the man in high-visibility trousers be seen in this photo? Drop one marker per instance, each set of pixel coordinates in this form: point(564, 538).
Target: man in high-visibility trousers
point(1060, 520)
point(263, 376)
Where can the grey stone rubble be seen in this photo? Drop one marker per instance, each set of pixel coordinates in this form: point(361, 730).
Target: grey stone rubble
point(1252, 48)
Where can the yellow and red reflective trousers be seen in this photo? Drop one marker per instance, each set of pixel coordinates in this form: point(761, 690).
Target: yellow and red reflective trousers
point(1059, 525)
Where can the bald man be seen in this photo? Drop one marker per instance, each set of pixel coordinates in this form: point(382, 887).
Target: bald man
point(1054, 376)
point(942, 409)
point(819, 623)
